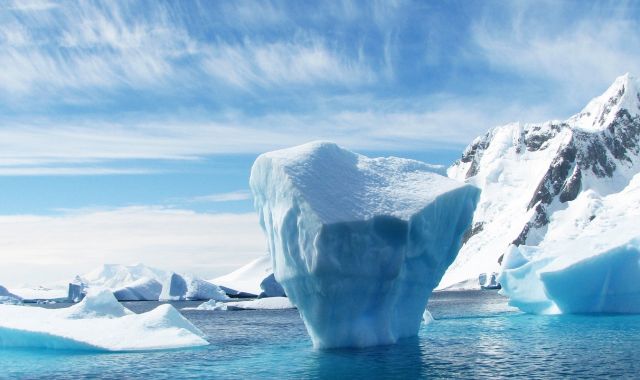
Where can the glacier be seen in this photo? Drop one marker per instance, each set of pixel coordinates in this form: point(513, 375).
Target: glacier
point(97, 323)
point(181, 288)
point(358, 243)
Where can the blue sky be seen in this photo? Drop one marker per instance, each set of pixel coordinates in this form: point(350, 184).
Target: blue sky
point(112, 113)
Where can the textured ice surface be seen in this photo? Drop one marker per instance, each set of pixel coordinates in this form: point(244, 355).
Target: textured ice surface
point(144, 289)
point(271, 287)
point(180, 288)
point(358, 244)
point(248, 278)
point(99, 322)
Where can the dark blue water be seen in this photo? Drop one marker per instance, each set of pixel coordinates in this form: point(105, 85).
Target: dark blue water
point(475, 335)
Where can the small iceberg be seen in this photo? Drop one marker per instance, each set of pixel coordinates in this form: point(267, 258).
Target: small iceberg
point(252, 280)
point(100, 323)
point(181, 288)
point(270, 303)
point(6, 297)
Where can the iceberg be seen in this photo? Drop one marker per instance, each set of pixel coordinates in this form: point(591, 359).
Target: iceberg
point(270, 303)
point(591, 269)
point(8, 297)
point(271, 288)
point(358, 243)
point(144, 289)
point(127, 282)
point(181, 288)
point(247, 280)
point(99, 323)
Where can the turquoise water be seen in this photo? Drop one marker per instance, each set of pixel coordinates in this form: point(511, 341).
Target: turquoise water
point(475, 335)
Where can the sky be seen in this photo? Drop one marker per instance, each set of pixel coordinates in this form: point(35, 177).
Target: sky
point(128, 128)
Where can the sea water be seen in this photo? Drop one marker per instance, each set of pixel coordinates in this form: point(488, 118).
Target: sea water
point(474, 335)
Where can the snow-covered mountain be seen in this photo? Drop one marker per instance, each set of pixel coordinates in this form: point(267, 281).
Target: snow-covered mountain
point(547, 182)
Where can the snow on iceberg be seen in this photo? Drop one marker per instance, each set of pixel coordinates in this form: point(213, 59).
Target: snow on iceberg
point(270, 303)
point(180, 288)
point(247, 280)
point(99, 322)
point(8, 297)
point(358, 244)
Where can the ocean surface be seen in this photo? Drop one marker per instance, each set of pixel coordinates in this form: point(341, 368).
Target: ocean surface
point(474, 335)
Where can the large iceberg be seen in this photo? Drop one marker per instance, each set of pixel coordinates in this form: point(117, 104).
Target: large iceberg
point(181, 288)
point(358, 244)
point(99, 322)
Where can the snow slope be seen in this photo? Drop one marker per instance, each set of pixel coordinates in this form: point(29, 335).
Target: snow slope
point(358, 243)
point(251, 280)
point(545, 182)
point(99, 322)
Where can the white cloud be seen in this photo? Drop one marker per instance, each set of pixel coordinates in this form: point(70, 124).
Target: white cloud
point(239, 195)
point(41, 249)
point(582, 53)
point(70, 171)
point(306, 61)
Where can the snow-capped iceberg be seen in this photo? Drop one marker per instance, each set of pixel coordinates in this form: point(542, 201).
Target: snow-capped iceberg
point(180, 288)
point(99, 322)
point(127, 282)
point(358, 244)
point(8, 297)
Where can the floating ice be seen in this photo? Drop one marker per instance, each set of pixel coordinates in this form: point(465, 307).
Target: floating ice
point(99, 322)
point(358, 243)
point(180, 288)
point(144, 289)
point(271, 288)
point(271, 303)
point(8, 297)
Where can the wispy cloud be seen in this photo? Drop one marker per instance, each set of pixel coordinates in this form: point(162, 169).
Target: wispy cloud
point(239, 195)
point(581, 51)
point(41, 249)
point(70, 171)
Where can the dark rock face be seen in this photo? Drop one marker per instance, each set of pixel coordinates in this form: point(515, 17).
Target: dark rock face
point(597, 152)
point(477, 227)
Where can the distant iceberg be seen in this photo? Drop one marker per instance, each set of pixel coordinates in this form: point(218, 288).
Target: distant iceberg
point(144, 289)
point(270, 303)
point(7, 297)
point(181, 288)
point(254, 279)
point(99, 322)
point(358, 244)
